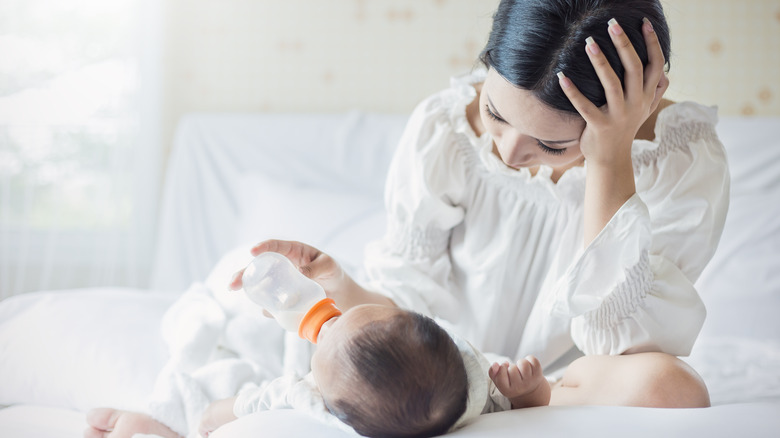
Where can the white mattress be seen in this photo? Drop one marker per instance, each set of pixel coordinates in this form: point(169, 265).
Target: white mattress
point(755, 420)
point(62, 353)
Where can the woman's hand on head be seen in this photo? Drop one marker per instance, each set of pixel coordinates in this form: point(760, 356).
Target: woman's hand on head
point(611, 128)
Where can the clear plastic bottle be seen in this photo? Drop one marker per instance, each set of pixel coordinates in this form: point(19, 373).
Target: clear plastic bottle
point(297, 302)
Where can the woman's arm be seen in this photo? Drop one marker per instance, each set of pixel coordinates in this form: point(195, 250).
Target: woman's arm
point(610, 130)
point(632, 287)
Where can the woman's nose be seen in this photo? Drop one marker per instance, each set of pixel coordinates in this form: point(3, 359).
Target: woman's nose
point(518, 146)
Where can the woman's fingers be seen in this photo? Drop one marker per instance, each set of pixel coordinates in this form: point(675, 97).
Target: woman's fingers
point(283, 247)
point(638, 81)
point(322, 266)
point(654, 71)
point(632, 65)
point(299, 253)
point(660, 89)
point(585, 107)
point(236, 282)
point(609, 80)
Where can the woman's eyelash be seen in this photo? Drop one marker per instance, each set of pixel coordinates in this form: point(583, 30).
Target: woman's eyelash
point(542, 146)
point(493, 115)
point(549, 150)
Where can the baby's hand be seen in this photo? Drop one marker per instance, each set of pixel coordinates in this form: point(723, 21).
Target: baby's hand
point(522, 383)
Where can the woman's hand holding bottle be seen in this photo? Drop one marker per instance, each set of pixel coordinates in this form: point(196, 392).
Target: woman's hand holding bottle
point(321, 268)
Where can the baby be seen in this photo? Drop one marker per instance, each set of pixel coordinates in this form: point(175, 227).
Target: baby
point(388, 372)
point(383, 371)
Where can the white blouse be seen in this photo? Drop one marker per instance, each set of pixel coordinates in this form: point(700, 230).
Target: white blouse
point(498, 253)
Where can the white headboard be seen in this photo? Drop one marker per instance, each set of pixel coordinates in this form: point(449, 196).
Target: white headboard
point(235, 179)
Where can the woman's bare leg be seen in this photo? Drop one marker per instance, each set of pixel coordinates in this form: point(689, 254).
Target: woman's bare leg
point(643, 379)
point(113, 423)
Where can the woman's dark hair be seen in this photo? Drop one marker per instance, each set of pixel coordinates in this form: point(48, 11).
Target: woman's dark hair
point(411, 380)
point(532, 40)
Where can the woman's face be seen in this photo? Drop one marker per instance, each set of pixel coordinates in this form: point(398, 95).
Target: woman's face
point(527, 132)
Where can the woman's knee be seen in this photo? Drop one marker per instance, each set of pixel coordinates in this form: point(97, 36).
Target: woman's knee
point(664, 381)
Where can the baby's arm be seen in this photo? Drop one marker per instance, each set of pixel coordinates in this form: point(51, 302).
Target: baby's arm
point(522, 383)
point(217, 414)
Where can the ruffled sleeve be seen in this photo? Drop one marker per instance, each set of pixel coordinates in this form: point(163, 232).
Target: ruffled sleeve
point(425, 181)
point(632, 288)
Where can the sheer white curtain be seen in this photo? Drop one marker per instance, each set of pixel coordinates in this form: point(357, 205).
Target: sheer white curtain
point(79, 142)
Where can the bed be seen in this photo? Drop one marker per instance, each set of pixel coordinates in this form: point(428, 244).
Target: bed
point(235, 179)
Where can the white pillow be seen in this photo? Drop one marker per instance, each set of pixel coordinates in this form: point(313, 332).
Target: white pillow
point(339, 223)
point(81, 349)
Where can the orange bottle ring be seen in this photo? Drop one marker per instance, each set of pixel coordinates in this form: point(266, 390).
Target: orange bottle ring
point(313, 320)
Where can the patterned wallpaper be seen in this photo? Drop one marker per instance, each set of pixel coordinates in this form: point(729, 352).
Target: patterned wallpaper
point(726, 53)
point(386, 55)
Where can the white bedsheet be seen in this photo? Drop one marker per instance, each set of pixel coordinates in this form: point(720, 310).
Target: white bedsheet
point(755, 420)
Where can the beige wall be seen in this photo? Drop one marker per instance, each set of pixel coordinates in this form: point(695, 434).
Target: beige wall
point(385, 55)
point(726, 53)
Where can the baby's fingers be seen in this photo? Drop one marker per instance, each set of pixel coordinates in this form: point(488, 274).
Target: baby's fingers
point(499, 375)
point(525, 369)
point(529, 367)
point(537, 366)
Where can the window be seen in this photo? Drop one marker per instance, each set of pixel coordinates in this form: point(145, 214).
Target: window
point(79, 164)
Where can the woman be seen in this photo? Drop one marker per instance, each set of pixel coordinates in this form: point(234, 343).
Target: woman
point(548, 214)
point(545, 213)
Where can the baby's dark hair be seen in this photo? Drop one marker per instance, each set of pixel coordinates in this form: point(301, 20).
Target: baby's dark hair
point(412, 376)
point(532, 40)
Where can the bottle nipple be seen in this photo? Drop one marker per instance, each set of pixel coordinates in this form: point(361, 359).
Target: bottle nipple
point(312, 322)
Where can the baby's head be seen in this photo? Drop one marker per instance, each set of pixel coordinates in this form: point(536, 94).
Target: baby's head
point(387, 372)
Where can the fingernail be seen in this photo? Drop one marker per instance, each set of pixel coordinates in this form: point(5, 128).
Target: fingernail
point(565, 82)
point(614, 27)
point(649, 24)
point(233, 280)
point(592, 47)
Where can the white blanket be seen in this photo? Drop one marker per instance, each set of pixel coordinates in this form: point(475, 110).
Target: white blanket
point(217, 342)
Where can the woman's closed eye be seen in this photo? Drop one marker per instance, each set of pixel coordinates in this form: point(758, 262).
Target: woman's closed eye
point(493, 115)
point(546, 149)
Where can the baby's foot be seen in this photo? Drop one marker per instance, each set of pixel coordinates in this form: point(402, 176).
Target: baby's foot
point(523, 384)
point(113, 423)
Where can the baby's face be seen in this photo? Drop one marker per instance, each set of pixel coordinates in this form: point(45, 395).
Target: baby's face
point(328, 360)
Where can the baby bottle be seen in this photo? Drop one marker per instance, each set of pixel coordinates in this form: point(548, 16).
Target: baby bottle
point(297, 302)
